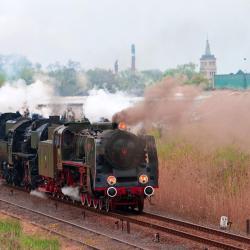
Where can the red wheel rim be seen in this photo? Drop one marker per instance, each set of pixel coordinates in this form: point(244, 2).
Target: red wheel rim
point(83, 199)
point(95, 203)
point(89, 201)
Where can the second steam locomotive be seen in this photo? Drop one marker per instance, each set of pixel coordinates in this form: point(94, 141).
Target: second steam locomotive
point(99, 164)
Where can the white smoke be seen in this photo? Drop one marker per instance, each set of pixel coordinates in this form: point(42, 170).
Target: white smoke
point(100, 103)
point(72, 192)
point(18, 96)
point(38, 194)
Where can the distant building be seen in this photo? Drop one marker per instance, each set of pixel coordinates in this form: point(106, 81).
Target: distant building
point(238, 81)
point(208, 64)
point(133, 58)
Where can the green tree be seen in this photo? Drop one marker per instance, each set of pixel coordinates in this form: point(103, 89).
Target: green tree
point(151, 76)
point(66, 77)
point(27, 74)
point(15, 67)
point(101, 78)
point(189, 72)
point(2, 79)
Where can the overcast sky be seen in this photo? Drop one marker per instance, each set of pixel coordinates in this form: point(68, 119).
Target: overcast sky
point(97, 32)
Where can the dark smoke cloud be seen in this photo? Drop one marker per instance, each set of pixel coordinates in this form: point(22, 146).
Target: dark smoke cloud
point(166, 103)
point(209, 118)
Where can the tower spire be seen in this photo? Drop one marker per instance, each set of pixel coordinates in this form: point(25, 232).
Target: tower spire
point(207, 52)
point(208, 64)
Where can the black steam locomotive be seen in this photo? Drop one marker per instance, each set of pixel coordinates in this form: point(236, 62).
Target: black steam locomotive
point(99, 164)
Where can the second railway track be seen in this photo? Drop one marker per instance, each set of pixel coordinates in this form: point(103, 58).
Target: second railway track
point(206, 237)
point(102, 237)
point(211, 231)
point(199, 233)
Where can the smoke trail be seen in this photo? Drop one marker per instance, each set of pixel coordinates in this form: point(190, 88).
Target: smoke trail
point(167, 103)
point(209, 118)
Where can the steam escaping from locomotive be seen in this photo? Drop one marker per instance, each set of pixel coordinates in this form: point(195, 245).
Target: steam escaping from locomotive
point(18, 96)
point(101, 103)
point(38, 194)
point(72, 192)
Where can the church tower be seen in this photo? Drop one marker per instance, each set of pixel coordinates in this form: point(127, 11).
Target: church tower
point(208, 64)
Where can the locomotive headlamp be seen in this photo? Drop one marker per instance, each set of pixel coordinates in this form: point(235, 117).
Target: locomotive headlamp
point(111, 180)
point(143, 179)
point(122, 126)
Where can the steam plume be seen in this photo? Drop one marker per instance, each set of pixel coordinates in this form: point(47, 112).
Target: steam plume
point(101, 103)
point(18, 95)
point(72, 192)
point(38, 194)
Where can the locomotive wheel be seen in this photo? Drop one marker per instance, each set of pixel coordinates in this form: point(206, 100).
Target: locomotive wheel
point(89, 201)
point(140, 205)
point(28, 188)
point(107, 205)
point(83, 199)
point(95, 203)
point(100, 204)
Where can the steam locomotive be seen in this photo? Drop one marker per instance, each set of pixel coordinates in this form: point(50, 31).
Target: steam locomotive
point(105, 165)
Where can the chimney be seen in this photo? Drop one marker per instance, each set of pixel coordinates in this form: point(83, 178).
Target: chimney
point(116, 67)
point(133, 58)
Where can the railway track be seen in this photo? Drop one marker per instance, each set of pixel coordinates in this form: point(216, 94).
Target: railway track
point(68, 223)
point(50, 230)
point(207, 237)
point(194, 232)
point(199, 233)
point(200, 228)
point(223, 240)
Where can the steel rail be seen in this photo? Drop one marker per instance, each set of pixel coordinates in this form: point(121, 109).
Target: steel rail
point(198, 227)
point(179, 233)
point(73, 224)
point(51, 230)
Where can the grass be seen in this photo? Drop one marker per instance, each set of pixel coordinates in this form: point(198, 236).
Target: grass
point(13, 238)
point(29, 242)
point(231, 169)
point(203, 185)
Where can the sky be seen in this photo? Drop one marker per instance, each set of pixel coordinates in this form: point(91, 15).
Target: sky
point(166, 33)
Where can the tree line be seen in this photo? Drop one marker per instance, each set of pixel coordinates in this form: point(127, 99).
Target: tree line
point(71, 79)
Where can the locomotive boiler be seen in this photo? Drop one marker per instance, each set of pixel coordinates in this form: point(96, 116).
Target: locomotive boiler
point(100, 164)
